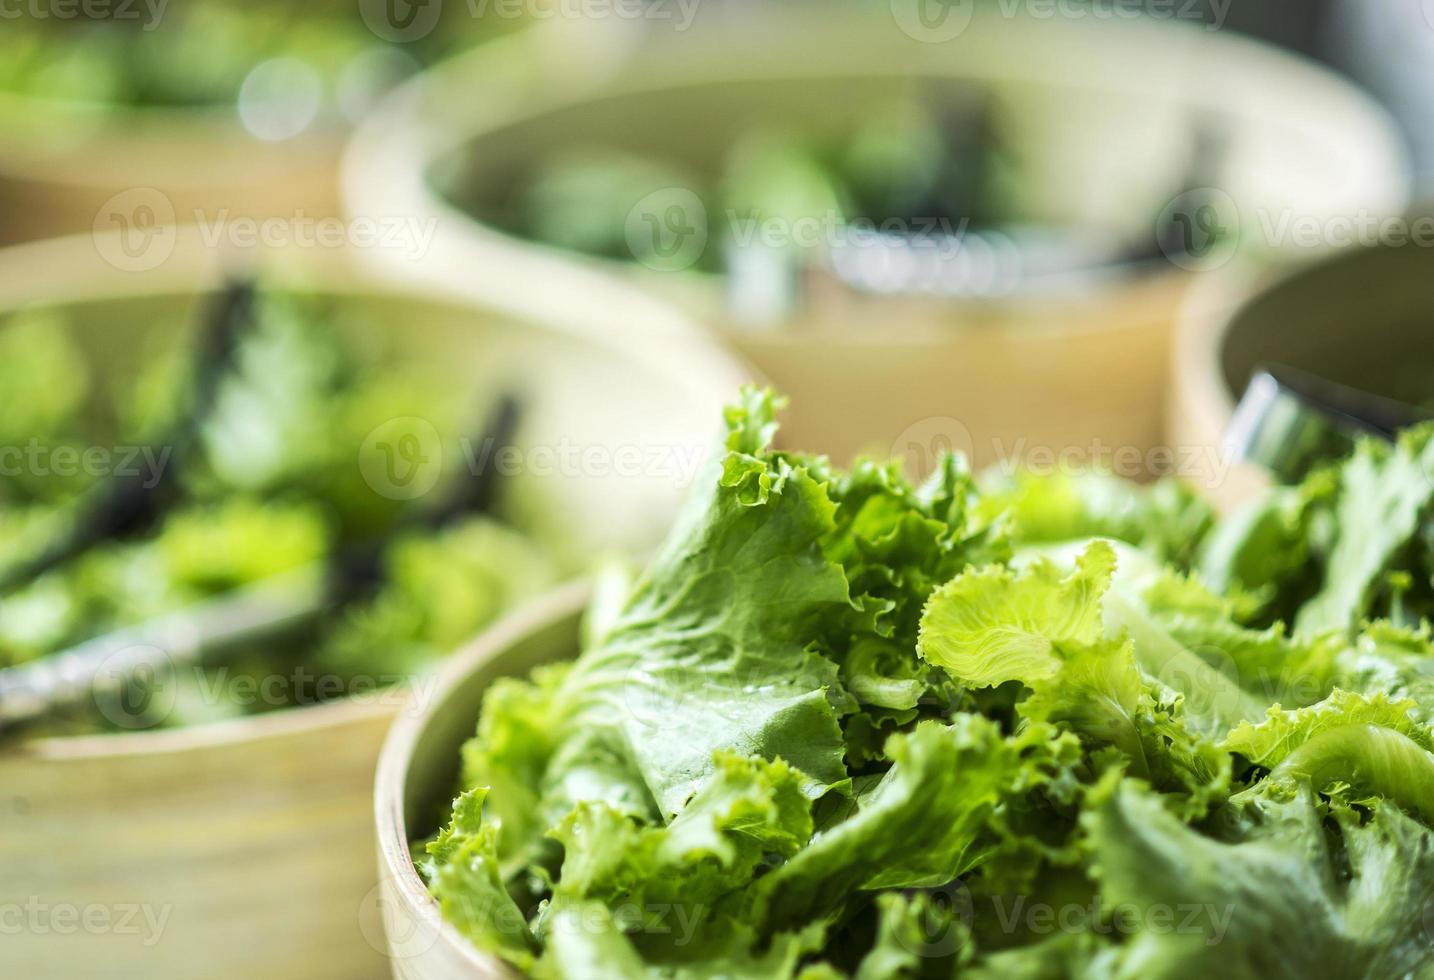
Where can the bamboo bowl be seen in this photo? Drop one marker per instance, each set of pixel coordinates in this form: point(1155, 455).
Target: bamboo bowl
point(1360, 317)
point(250, 841)
point(1100, 112)
point(418, 771)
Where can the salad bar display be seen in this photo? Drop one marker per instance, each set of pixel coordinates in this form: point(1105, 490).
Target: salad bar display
point(410, 566)
point(844, 725)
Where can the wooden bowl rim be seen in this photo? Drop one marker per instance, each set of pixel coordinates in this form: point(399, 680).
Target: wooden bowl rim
point(390, 784)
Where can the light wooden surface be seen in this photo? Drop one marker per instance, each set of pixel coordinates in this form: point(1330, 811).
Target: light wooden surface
point(1056, 371)
point(418, 772)
point(251, 842)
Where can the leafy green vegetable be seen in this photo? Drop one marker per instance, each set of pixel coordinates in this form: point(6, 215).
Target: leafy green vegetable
point(847, 727)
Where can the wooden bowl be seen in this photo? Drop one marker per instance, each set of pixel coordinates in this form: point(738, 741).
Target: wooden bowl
point(1361, 317)
point(907, 374)
point(418, 772)
point(249, 843)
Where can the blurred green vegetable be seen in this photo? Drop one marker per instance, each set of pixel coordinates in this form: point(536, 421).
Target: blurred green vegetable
point(276, 485)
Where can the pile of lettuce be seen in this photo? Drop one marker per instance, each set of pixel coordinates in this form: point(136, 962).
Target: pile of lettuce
point(844, 726)
point(275, 484)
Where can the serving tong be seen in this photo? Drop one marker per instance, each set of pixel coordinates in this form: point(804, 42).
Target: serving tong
point(1290, 421)
point(206, 632)
point(126, 503)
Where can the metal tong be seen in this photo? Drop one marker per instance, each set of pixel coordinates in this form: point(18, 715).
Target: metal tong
point(1289, 421)
point(122, 504)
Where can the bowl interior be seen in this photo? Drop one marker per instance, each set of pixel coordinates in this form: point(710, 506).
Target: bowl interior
point(1100, 125)
point(589, 470)
point(692, 127)
point(1363, 319)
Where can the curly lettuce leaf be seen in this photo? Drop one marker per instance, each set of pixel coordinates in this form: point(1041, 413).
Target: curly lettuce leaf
point(1282, 897)
point(1384, 494)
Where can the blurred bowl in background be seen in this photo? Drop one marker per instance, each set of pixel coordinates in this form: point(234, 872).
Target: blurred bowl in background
point(1104, 125)
point(1361, 317)
point(203, 111)
point(248, 843)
